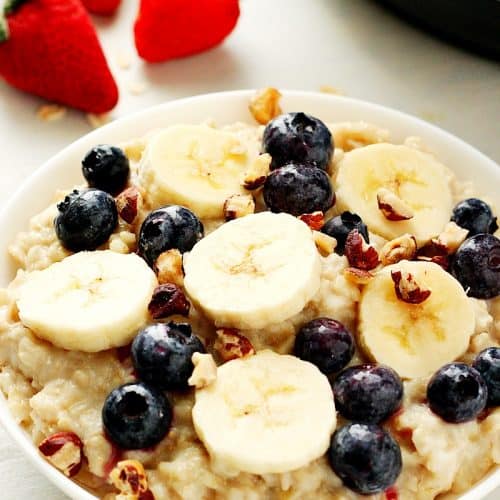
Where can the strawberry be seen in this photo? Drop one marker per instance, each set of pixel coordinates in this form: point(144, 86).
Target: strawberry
point(102, 7)
point(166, 29)
point(49, 48)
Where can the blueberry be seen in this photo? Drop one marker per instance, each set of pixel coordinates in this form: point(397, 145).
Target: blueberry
point(86, 219)
point(326, 343)
point(476, 266)
point(161, 354)
point(487, 363)
point(474, 215)
point(365, 457)
point(298, 189)
point(297, 137)
point(368, 393)
point(136, 416)
point(457, 393)
point(340, 226)
point(168, 227)
point(107, 168)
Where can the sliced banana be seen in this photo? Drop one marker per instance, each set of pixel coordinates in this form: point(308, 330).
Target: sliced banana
point(416, 178)
point(254, 271)
point(415, 339)
point(90, 301)
point(195, 166)
point(267, 413)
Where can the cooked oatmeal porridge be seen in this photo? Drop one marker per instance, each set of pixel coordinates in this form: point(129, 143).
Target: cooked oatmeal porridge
point(353, 283)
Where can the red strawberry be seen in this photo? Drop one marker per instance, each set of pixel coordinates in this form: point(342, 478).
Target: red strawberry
point(52, 51)
point(102, 7)
point(166, 29)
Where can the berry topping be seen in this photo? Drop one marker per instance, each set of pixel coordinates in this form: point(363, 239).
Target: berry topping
point(297, 137)
point(326, 343)
point(168, 227)
point(368, 393)
point(475, 216)
point(487, 363)
point(136, 416)
point(86, 219)
point(339, 227)
point(457, 393)
point(162, 355)
point(476, 266)
point(107, 168)
point(365, 457)
point(298, 189)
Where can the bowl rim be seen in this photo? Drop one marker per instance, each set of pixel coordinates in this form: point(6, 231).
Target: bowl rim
point(485, 486)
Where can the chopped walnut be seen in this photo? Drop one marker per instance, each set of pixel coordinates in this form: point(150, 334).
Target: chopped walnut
point(407, 289)
point(358, 276)
point(51, 112)
point(168, 299)
point(434, 252)
point(97, 121)
point(231, 345)
point(205, 370)
point(402, 248)
point(451, 238)
point(129, 477)
point(324, 243)
point(315, 221)
point(128, 204)
point(238, 205)
point(392, 206)
point(359, 253)
point(168, 267)
point(265, 105)
point(64, 451)
point(328, 89)
point(257, 174)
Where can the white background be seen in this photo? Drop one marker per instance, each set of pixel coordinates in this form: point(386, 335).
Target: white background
point(353, 45)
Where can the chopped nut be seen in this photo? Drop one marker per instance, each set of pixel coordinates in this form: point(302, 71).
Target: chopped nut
point(451, 238)
point(434, 252)
point(231, 345)
point(393, 207)
point(264, 105)
point(407, 289)
point(205, 370)
point(328, 89)
point(97, 121)
point(440, 260)
point(358, 253)
point(64, 450)
point(358, 276)
point(324, 243)
point(129, 477)
point(238, 205)
point(257, 174)
point(168, 267)
point(168, 299)
point(315, 221)
point(51, 112)
point(123, 60)
point(402, 248)
point(128, 203)
point(137, 88)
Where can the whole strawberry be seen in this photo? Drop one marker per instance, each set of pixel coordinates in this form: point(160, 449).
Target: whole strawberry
point(49, 48)
point(166, 29)
point(102, 7)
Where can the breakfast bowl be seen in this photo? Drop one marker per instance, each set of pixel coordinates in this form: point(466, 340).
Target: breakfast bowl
point(63, 171)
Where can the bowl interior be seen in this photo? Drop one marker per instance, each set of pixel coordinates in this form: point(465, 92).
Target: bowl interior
point(63, 170)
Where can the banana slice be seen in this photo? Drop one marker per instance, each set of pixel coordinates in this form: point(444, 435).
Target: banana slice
point(254, 271)
point(415, 339)
point(195, 166)
point(416, 178)
point(267, 413)
point(90, 301)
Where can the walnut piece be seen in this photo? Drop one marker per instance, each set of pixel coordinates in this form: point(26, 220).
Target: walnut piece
point(168, 267)
point(128, 203)
point(402, 248)
point(315, 221)
point(257, 174)
point(129, 478)
point(231, 345)
point(434, 252)
point(265, 105)
point(451, 238)
point(392, 206)
point(168, 299)
point(205, 370)
point(51, 112)
point(238, 205)
point(64, 450)
point(359, 253)
point(324, 243)
point(407, 289)
point(358, 276)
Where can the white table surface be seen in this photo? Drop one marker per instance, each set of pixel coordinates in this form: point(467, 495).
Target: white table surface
point(353, 45)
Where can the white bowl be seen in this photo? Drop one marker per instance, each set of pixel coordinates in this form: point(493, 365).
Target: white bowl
point(63, 170)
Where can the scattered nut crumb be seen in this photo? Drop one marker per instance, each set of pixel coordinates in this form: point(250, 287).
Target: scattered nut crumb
point(51, 112)
point(64, 450)
point(324, 243)
point(402, 248)
point(123, 60)
point(238, 205)
point(231, 345)
point(451, 238)
point(97, 121)
point(128, 204)
point(137, 88)
point(434, 252)
point(129, 477)
point(328, 89)
point(392, 206)
point(168, 267)
point(315, 221)
point(407, 289)
point(205, 370)
point(358, 276)
point(259, 170)
point(359, 253)
point(168, 299)
point(264, 105)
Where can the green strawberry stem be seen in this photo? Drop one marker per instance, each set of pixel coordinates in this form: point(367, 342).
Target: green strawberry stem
point(4, 28)
point(9, 7)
